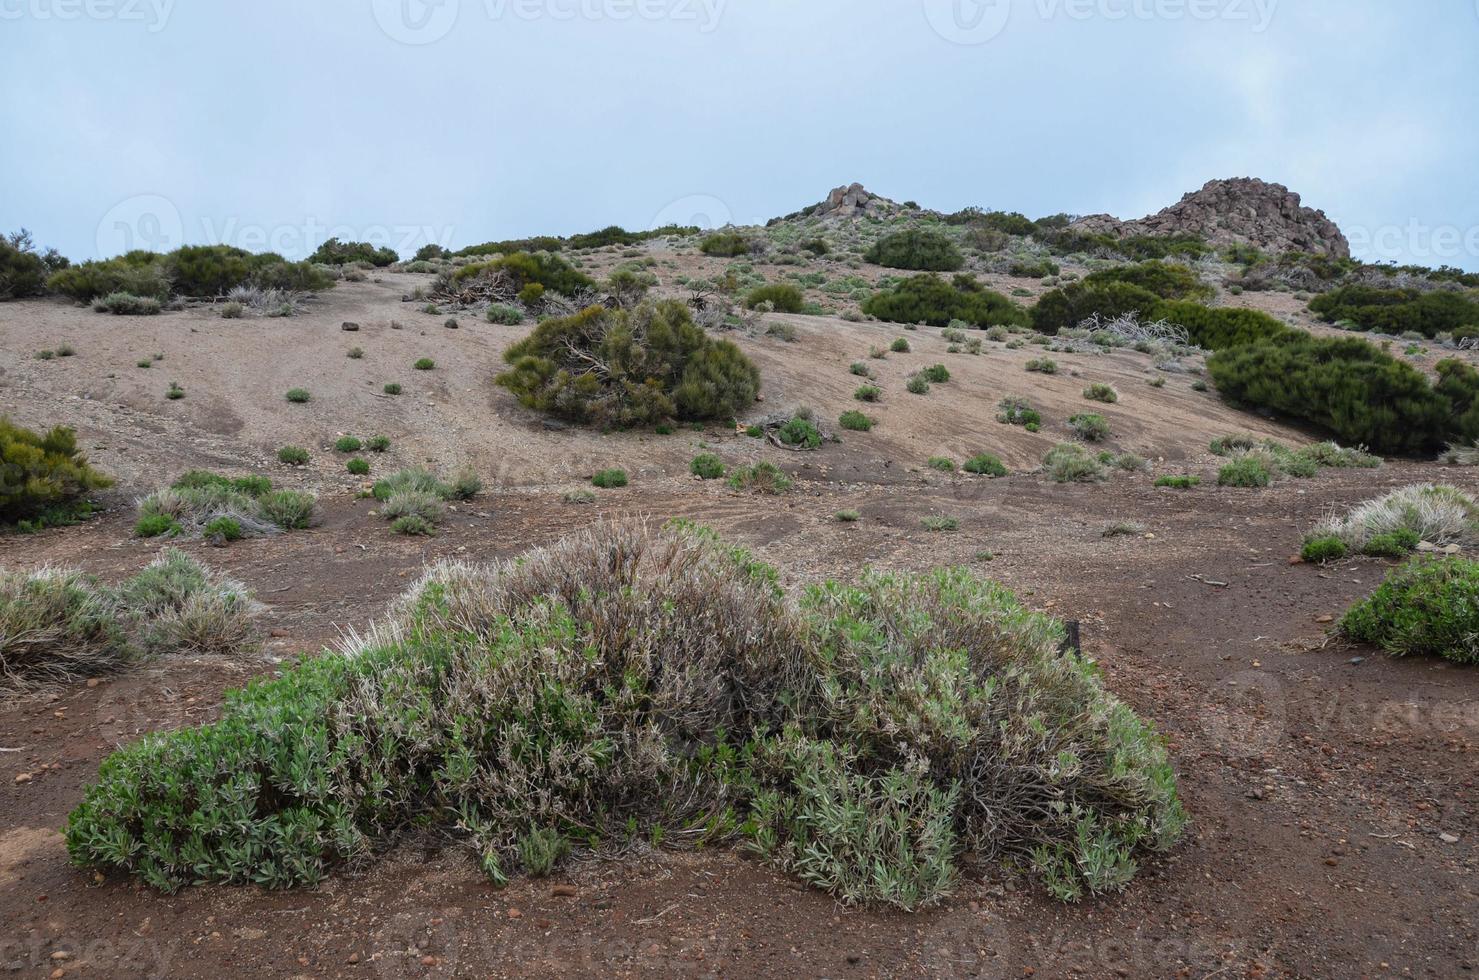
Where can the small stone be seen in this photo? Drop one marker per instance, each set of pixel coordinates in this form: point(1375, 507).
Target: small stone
point(349, 326)
point(428, 960)
point(93, 682)
point(1448, 838)
point(564, 891)
point(514, 914)
point(24, 777)
point(1325, 619)
point(60, 955)
point(353, 958)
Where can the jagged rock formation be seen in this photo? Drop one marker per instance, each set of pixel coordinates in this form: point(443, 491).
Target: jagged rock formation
point(853, 200)
point(1240, 211)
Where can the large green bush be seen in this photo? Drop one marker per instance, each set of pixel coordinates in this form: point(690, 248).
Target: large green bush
point(725, 244)
point(1348, 387)
point(1216, 328)
point(783, 297)
point(523, 269)
point(42, 477)
point(1428, 607)
point(335, 252)
point(23, 271)
point(1399, 311)
point(138, 273)
point(930, 299)
point(625, 368)
point(631, 684)
point(197, 271)
point(917, 250)
point(1066, 308)
point(1168, 280)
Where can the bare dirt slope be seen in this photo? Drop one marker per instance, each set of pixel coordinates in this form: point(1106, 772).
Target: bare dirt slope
point(1332, 789)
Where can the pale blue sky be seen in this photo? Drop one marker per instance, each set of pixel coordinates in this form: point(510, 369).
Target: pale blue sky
point(272, 123)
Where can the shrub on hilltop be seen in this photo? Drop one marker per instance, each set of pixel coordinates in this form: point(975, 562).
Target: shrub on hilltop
point(930, 299)
point(916, 249)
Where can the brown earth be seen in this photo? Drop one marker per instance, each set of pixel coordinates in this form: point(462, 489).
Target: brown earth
point(1332, 789)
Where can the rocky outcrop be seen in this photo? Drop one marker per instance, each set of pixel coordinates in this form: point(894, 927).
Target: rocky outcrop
point(1240, 211)
point(853, 200)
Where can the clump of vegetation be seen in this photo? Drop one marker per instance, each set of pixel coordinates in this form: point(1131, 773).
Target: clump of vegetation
point(127, 304)
point(293, 455)
point(298, 396)
point(1016, 411)
point(1036, 268)
point(985, 464)
point(1248, 470)
point(358, 466)
point(1429, 607)
point(1066, 308)
point(174, 392)
point(1461, 455)
point(900, 345)
point(628, 368)
point(1101, 393)
point(1400, 311)
point(935, 374)
point(1042, 365)
point(1168, 280)
point(393, 388)
point(1069, 462)
point(348, 444)
point(196, 499)
point(610, 479)
point(707, 466)
point(44, 479)
point(59, 625)
point(1089, 427)
point(937, 522)
point(196, 271)
point(335, 252)
point(848, 516)
point(1182, 482)
point(763, 477)
point(424, 364)
point(941, 463)
point(1122, 529)
point(868, 393)
point(915, 249)
point(556, 672)
point(24, 271)
point(930, 299)
point(917, 384)
point(800, 432)
point(725, 244)
point(506, 314)
point(1436, 513)
point(855, 421)
point(782, 297)
point(1323, 550)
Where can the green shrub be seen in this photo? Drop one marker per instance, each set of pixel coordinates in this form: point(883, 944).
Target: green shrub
point(1393, 544)
point(1347, 387)
point(348, 444)
point(1245, 471)
point(937, 374)
point(900, 345)
point(937, 522)
point(335, 252)
point(1218, 328)
point(930, 299)
point(1042, 365)
point(291, 510)
point(424, 364)
point(557, 671)
point(23, 272)
point(1323, 550)
point(174, 392)
point(917, 250)
point(1101, 393)
point(392, 388)
point(222, 529)
point(763, 477)
point(293, 455)
point(1166, 280)
point(783, 297)
point(656, 364)
point(1069, 462)
point(1399, 311)
point(917, 384)
point(1179, 482)
point(127, 304)
point(868, 393)
point(298, 395)
point(1429, 607)
point(156, 525)
point(985, 464)
point(1036, 268)
point(855, 421)
point(509, 316)
point(725, 244)
point(861, 370)
point(1439, 514)
point(848, 516)
point(1066, 308)
point(413, 526)
point(707, 466)
point(378, 444)
point(941, 463)
point(610, 479)
point(358, 466)
point(44, 479)
point(137, 273)
point(1015, 411)
point(1089, 427)
point(800, 432)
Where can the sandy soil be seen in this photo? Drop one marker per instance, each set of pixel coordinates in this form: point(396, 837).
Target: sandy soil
point(1332, 789)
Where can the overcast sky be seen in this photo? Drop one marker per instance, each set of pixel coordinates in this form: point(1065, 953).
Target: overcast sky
point(274, 123)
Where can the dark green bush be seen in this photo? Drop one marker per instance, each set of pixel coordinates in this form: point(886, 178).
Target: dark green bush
point(335, 252)
point(1394, 544)
point(23, 272)
point(358, 466)
point(936, 374)
point(707, 466)
point(1167, 280)
point(725, 244)
point(138, 273)
point(1348, 387)
point(1033, 268)
point(1218, 328)
point(985, 464)
point(1427, 607)
point(1179, 482)
point(1323, 550)
point(1066, 308)
point(783, 297)
point(293, 455)
point(627, 368)
point(610, 479)
point(855, 421)
point(930, 299)
point(800, 432)
point(523, 270)
point(1245, 471)
point(917, 250)
point(1398, 311)
point(43, 478)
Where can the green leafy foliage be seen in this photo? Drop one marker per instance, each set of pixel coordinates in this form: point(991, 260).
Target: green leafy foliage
point(1323, 550)
point(725, 244)
point(43, 478)
point(855, 421)
point(627, 368)
point(916, 249)
point(1070, 462)
point(1066, 308)
point(782, 297)
point(335, 252)
point(1399, 311)
point(1225, 326)
point(1168, 280)
point(932, 300)
point(610, 479)
point(1429, 607)
point(523, 271)
point(985, 464)
point(707, 466)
